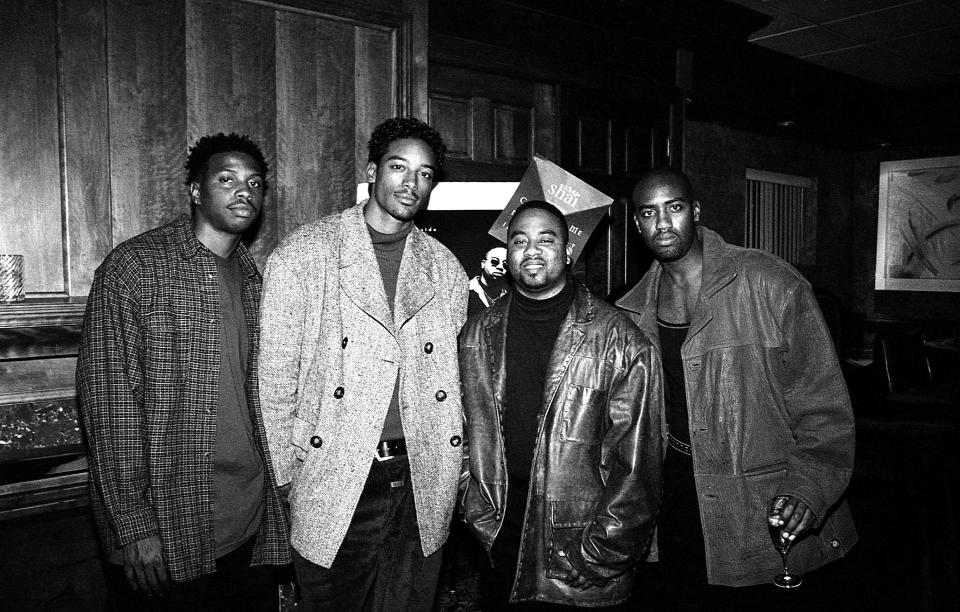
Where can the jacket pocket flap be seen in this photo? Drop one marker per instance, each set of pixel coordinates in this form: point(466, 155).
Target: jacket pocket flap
point(566, 514)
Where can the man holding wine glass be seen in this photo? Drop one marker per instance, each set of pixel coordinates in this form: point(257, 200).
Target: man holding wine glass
point(760, 431)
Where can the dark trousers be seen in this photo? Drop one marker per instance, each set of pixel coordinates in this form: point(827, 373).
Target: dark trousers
point(380, 564)
point(234, 586)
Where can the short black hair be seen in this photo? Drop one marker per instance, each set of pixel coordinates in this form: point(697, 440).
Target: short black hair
point(663, 175)
point(208, 146)
point(546, 207)
point(405, 127)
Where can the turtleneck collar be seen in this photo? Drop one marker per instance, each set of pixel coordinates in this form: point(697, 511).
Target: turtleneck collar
point(553, 307)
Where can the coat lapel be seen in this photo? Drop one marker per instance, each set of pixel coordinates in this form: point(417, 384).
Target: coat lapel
point(641, 300)
point(495, 337)
point(569, 338)
point(718, 272)
point(360, 277)
point(417, 280)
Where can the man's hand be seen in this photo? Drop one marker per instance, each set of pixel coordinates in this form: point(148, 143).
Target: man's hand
point(577, 581)
point(792, 515)
point(144, 567)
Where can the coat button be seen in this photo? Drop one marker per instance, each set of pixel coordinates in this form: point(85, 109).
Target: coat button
point(343, 343)
point(428, 348)
point(338, 392)
point(835, 543)
point(441, 395)
point(455, 441)
point(316, 441)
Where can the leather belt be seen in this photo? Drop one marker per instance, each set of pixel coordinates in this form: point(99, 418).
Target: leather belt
point(388, 449)
point(679, 445)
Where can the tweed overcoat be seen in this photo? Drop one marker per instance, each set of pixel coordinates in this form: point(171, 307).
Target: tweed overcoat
point(330, 355)
point(768, 409)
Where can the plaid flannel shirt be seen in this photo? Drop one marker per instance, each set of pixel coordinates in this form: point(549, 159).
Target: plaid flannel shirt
point(147, 380)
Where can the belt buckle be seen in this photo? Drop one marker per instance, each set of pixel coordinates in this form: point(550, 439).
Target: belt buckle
point(385, 446)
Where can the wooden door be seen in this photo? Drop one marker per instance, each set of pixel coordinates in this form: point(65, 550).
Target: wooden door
point(102, 99)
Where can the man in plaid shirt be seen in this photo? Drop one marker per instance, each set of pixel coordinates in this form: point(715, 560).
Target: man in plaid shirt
point(182, 487)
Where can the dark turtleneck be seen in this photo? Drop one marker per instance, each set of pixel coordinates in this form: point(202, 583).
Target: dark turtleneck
point(389, 251)
point(532, 327)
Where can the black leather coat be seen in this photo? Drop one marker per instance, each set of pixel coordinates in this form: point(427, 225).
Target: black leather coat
point(595, 478)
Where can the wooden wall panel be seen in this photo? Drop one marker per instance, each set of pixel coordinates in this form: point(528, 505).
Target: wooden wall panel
point(101, 100)
point(513, 133)
point(451, 116)
point(545, 121)
point(593, 145)
point(315, 119)
point(86, 153)
point(231, 87)
point(481, 122)
point(30, 219)
point(375, 66)
point(147, 98)
point(507, 119)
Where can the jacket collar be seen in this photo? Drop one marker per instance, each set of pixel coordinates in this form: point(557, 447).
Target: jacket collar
point(416, 284)
point(719, 269)
point(569, 337)
point(189, 246)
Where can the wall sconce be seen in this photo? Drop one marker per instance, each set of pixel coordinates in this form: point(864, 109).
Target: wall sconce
point(11, 278)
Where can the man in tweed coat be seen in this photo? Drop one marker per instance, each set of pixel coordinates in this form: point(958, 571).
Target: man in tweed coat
point(184, 495)
point(360, 387)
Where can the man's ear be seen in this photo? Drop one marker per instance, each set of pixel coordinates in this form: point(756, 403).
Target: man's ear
point(569, 253)
point(194, 193)
point(371, 172)
point(696, 211)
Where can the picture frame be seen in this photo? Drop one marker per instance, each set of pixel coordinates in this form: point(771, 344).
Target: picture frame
point(918, 230)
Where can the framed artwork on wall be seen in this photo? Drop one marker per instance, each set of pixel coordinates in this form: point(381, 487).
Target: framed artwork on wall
point(918, 234)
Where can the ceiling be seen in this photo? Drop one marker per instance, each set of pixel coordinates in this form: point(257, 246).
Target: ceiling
point(853, 74)
point(902, 45)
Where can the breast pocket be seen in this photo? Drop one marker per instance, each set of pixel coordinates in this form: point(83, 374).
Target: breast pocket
point(584, 411)
point(166, 344)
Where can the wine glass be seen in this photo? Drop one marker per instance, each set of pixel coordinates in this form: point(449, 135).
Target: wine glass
point(786, 580)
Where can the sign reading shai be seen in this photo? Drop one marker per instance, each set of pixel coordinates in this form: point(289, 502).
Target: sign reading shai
point(581, 204)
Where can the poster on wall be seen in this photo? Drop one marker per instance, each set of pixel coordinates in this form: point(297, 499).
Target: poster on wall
point(582, 205)
point(918, 234)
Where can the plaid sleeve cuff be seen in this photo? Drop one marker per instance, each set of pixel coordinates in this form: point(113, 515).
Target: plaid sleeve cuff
point(135, 526)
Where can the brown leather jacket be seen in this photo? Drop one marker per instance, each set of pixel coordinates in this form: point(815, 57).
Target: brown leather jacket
point(768, 409)
point(595, 479)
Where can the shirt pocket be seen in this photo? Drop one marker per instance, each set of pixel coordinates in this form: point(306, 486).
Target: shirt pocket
point(166, 344)
point(584, 411)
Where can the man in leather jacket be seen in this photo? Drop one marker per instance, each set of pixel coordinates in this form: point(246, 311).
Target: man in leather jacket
point(759, 425)
point(563, 403)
